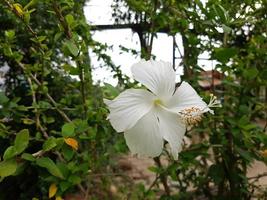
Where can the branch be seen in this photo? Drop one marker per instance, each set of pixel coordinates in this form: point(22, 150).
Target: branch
point(162, 177)
point(62, 20)
point(34, 34)
point(67, 119)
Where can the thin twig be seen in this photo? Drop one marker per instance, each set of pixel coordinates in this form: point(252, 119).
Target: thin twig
point(62, 20)
point(258, 176)
point(151, 186)
point(163, 177)
point(11, 7)
point(47, 94)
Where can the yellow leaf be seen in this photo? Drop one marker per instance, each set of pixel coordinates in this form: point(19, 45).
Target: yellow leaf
point(52, 190)
point(264, 153)
point(59, 198)
point(72, 142)
point(18, 8)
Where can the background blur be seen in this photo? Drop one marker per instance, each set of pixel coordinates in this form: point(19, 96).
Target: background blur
point(59, 59)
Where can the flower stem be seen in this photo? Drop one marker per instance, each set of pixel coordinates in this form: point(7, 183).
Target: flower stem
point(163, 177)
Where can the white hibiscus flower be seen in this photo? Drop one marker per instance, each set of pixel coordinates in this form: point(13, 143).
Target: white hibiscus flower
point(147, 118)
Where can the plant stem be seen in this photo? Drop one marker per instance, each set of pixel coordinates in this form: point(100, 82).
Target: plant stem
point(163, 177)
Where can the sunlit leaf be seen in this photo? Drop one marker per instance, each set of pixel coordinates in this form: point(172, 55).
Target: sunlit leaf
point(8, 167)
point(72, 142)
point(52, 190)
point(18, 8)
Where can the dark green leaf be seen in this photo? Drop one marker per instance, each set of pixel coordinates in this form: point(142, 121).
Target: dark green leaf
point(216, 172)
point(3, 98)
point(251, 73)
point(224, 54)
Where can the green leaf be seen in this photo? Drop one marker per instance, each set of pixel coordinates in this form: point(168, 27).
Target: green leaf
point(251, 73)
point(10, 152)
point(74, 179)
point(72, 48)
point(30, 4)
point(8, 167)
point(70, 19)
point(21, 141)
point(49, 144)
point(244, 154)
point(68, 130)
point(110, 90)
point(27, 156)
point(224, 54)
point(221, 12)
point(64, 186)
point(50, 166)
point(67, 152)
point(28, 121)
point(10, 34)
point(226, 29)
point(3, 98)
point(216, 172)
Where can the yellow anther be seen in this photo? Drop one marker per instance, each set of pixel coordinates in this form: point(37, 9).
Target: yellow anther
point(191, 116)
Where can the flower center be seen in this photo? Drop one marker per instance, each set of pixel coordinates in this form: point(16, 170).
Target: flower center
point(191, 116)
point(158, 102)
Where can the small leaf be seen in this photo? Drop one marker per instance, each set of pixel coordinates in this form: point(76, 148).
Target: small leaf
point(18, 8)
point(226, 29)
point(72, 142)
point(251, 73)
point(21, 141)
point(68, 130)
point(221, 12)
point(224, 54)
point(244, 154)
point(8, 167)
point(70, 19)
point(74, 179)
point(72, 48)
point(59, 198)
point(28, 121)
point(30, 4)
point(10, 34)
point(3, 98)
point(10, 152)
point(67, 153)
point(52, 190)
point(216, 172)
point(50, 166)
point(49, 144)
point(27, 156)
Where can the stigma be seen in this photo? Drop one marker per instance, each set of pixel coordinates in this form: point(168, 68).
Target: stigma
point(158, 102)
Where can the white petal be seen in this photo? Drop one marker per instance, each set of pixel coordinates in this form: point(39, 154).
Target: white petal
point(172, 129)
point(159, 77)
point(144, 138)
point(186, 97)
point(128, 108)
